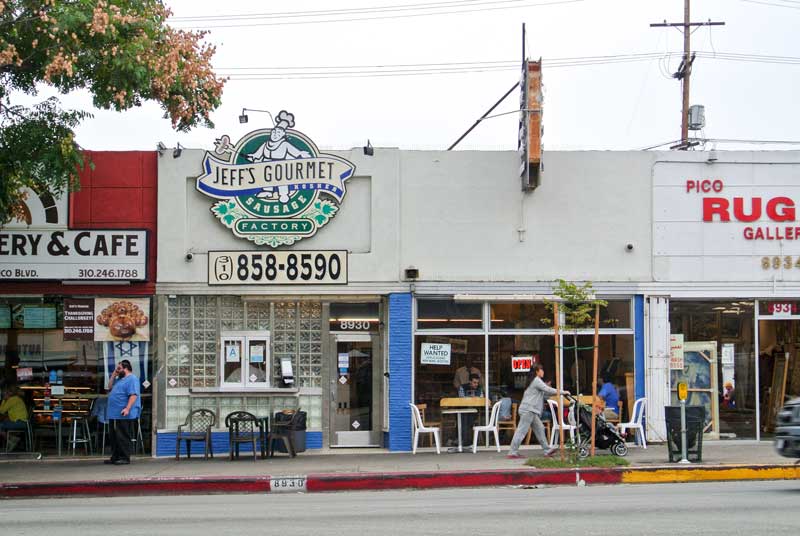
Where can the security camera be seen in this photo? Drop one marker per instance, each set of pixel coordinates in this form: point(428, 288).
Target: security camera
point(629, 247)
point(189, 256)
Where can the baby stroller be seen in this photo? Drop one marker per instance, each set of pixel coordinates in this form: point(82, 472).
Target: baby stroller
point(605, 435)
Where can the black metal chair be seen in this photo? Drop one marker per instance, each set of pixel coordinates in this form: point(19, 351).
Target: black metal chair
point(284, 431)
point(198, 427)
point(243, 427)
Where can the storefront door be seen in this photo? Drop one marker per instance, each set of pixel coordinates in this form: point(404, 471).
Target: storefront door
point(355, 400)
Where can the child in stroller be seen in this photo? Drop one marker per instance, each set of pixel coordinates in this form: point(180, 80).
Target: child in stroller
point(605, 435)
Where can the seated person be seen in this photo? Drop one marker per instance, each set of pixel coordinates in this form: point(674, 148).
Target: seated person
point(464, 373)
point(13, 413)
point(468, 390)
point(473, 388)
point(609, 396)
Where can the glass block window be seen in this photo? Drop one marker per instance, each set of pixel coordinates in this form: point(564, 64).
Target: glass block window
point(179, 340)
point(309, 371)
point(258, 316)
point(284, 337)
point(204, 341)
point(231, 313)
point(178, 407)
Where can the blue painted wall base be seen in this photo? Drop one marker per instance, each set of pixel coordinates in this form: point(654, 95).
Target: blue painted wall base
point(219, 443)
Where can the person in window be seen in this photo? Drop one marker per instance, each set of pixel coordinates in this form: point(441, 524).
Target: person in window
point(729, 396)
point(463, 374)
point(13, 414)
point(469, 390)
point(609, 397)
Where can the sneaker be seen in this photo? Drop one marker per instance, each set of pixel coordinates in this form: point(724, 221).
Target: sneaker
point(514, 457)
point(550, 453)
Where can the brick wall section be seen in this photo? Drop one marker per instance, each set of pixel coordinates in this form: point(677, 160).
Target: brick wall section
point(400, 341)
point(120, 192)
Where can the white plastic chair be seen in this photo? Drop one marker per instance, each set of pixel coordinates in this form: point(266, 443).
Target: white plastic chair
point(419, 427)
point(490, 427)
point(558, 423)
point(636, 421)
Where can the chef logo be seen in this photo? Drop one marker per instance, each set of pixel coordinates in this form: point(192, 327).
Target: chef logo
point(273, 187)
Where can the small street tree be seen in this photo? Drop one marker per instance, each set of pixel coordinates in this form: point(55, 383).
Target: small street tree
point(580, 309)
point(121, 51)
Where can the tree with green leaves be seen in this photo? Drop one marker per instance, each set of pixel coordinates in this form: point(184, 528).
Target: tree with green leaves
point(577, 303)
point(121, 51)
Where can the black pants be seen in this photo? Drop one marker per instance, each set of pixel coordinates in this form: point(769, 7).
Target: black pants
point(121, 432)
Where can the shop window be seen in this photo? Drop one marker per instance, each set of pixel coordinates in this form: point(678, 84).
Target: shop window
point(244, 360)
point(520, 316)
point(448, 314)
point(726, 386)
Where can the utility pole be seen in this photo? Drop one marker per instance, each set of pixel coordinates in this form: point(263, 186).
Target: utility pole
point(684, 72)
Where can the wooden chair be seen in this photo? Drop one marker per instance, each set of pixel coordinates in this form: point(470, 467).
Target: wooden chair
point(431, 424)
point(617, 419)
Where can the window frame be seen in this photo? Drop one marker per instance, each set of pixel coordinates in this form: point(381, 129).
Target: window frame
point(246, 339)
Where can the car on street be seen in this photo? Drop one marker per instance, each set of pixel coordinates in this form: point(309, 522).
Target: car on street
point(787, 430)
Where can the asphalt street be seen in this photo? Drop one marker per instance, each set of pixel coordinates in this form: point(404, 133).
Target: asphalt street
point(705, 508)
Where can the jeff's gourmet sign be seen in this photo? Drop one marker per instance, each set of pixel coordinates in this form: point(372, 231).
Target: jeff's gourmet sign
point(88, 255)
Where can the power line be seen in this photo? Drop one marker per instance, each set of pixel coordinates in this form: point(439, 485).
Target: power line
point(345, 11)
point(773, 4)
point(441, 68)
point(380, 17)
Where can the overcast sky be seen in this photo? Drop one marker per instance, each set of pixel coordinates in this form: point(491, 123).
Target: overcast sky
point(627, 105)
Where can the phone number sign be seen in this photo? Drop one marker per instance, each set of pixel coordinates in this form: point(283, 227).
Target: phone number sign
point(277, 268)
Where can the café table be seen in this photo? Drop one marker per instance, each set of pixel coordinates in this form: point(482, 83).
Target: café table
point(460, 406)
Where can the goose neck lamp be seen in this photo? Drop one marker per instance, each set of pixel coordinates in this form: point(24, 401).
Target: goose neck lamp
point(243, 118)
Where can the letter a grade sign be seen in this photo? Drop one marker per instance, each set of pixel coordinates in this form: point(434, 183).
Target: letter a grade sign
point(273, 186)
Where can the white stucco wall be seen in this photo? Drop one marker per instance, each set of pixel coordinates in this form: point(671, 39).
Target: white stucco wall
point(461, 217)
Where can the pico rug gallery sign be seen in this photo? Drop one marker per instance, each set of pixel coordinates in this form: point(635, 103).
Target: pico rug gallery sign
point(273, 186)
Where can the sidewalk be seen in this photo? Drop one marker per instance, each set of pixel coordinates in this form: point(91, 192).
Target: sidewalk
point(374, 469)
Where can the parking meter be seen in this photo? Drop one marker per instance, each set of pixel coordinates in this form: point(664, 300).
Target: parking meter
point(683, 394)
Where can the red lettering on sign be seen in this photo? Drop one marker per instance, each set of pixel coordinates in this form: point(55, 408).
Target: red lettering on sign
point(774, 211)
point(755, 209)
point(715, 206)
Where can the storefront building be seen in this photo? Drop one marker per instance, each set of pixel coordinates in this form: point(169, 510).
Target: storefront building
point(76, 280)
point(369, 280)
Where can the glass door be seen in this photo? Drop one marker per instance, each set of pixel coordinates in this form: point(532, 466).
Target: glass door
point(353, 402)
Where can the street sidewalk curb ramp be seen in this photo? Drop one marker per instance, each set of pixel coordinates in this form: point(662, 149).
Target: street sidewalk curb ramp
point(330, 482)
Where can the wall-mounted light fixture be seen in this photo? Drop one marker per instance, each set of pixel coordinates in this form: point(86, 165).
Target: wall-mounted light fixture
point(160, 147)
point(176, 152)
point(369, 150)
point(243, 118)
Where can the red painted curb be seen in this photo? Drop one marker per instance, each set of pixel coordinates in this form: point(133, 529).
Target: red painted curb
point(455, 479)
point(151, 486)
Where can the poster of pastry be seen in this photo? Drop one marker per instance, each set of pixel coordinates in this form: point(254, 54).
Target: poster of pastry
point(122, 319)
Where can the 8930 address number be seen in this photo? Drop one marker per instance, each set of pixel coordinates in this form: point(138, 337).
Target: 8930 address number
point(280, 267)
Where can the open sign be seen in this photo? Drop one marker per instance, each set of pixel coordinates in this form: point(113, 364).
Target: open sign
point(521, 363)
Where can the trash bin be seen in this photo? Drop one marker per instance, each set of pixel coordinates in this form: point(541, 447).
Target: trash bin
point(695, 422)
point(298, 436)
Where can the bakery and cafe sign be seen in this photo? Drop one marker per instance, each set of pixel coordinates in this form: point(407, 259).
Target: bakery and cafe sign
point(273, 186)
point(80, 255)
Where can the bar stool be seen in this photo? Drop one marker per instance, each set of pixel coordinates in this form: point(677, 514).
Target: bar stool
point(80, 434)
